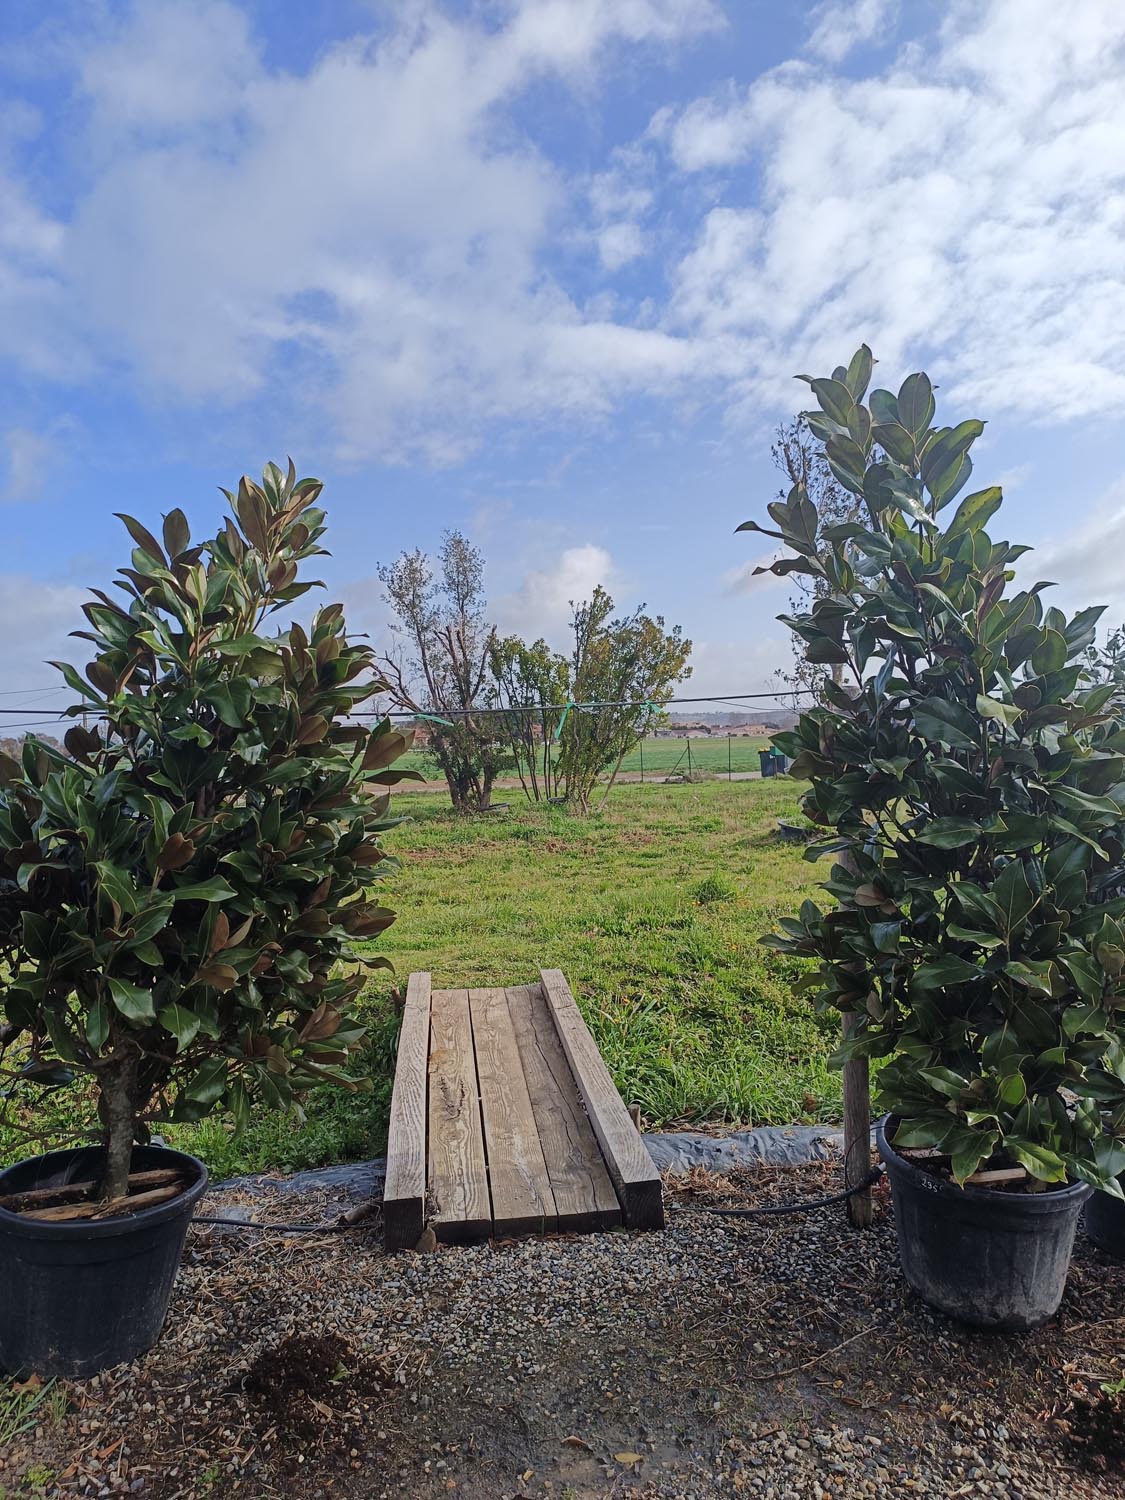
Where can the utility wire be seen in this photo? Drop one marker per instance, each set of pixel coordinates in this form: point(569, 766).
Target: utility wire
point(33, 714)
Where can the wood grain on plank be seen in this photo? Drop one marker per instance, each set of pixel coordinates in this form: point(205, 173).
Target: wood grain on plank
point(585, 1198)
point(630, 1166)
point(458, 1179)
point(404, 1197)
point(522, 1200)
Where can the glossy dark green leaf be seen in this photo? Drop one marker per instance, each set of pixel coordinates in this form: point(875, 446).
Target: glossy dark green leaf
point(1051, 654)
point(915, 404)
point(182, 1022)
point(858, 375)
point(214, 889)
point(132, 1000)
point(177, 533)
point(1043, 1163)
point(97, 1024)
point(209, 1081)
point(950, 833)
point(993, 708)
point(946, 722)
point(835, 400)
point(143, 538)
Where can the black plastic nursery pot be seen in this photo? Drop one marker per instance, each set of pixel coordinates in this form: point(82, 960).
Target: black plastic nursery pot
point(78, 1296)
point(1105, 1222)
point(994, 1259)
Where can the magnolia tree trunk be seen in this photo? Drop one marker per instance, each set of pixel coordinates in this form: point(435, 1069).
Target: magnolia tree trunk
point(118, 1083)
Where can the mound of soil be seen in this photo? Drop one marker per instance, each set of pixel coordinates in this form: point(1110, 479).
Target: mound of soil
point(315, 1388)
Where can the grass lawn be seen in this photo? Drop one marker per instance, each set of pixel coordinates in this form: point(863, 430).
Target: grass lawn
point(653, 909)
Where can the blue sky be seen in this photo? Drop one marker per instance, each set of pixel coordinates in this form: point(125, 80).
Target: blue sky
point(544, 269)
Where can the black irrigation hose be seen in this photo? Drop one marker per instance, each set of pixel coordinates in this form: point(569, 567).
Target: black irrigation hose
point(791, 1208)
point(338, 1226)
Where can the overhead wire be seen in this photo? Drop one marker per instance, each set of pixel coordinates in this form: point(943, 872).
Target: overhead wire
point(33, 713)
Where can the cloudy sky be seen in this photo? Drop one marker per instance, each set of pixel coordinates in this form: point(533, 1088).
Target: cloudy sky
point(544, 269)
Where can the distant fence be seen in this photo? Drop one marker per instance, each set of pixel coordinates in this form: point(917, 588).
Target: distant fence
point(658, 757)
point(727, 755)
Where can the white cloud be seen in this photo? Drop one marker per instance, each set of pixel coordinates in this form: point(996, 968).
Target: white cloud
point(541, 604)
point(966, 208)
point(26, 456)
point(36, 618)
point(711, 132)
point(745, 579)
point(364, 243)
point(620, 243)
point(378, 249)
point(842, 25)
point(166, 68)
point(1085, 561)
point(738, 665)
point(34, 458)
point(31, 243)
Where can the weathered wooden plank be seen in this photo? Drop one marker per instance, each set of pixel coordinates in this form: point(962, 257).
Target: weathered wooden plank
point(584, 1195)
point(522, 1200)
point(458, 1179)
point(630, 1166)
point(404, 1196)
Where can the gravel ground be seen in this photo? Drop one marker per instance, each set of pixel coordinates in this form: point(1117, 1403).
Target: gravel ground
point(779, 1358)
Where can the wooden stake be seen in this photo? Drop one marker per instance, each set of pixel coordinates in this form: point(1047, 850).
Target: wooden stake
point(857, 1111)
point(998, 1174)
point(857, 1130)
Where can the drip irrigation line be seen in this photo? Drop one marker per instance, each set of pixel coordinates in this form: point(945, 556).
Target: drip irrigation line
point(337, 1226)
point(340, 1226)
point(793, 1208)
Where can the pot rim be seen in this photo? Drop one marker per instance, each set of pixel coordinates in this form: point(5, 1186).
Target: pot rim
point(146, 1218)
point(1054, 1200)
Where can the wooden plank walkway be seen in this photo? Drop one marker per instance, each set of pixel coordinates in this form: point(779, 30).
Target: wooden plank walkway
point(505, 1120)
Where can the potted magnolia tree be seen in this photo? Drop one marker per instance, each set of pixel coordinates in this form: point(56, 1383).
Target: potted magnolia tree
point(971, 785)
point(1105, 1211)
point(178, 894)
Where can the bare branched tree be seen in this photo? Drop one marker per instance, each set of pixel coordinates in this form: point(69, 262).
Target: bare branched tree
point(441, 665)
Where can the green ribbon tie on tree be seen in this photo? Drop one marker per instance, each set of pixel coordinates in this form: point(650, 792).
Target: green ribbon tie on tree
point(559, 726)
point(436, 719)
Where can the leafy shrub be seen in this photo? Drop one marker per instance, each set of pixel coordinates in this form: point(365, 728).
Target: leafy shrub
point(973, 782)
point(179, 891)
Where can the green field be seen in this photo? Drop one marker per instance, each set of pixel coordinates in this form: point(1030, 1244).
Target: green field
point(657, 756)
point(653, 908)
